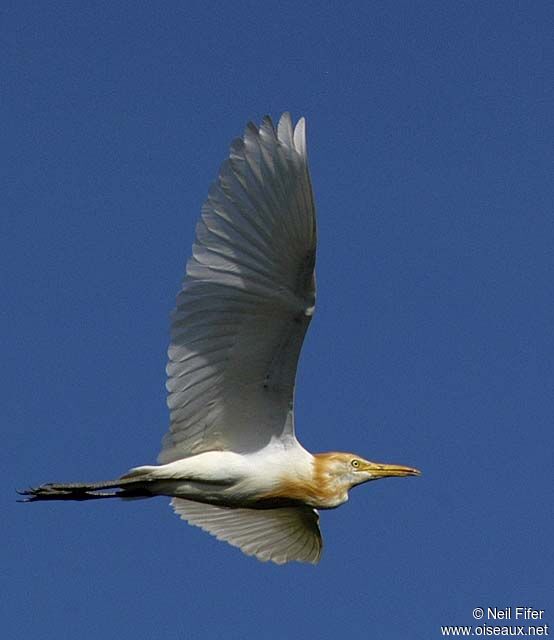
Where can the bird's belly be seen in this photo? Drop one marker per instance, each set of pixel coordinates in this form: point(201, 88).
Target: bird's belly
point(221, 478)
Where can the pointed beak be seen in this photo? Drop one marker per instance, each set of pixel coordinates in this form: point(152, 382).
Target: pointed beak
point(379, 470)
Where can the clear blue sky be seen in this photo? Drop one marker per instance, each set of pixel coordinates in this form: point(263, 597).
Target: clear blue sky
point(430, 132)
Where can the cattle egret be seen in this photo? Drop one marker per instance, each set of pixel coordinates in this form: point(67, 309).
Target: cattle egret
point(231, 462)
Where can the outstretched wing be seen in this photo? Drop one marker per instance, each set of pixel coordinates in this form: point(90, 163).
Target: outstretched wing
point(280, 535)
point(246, 300)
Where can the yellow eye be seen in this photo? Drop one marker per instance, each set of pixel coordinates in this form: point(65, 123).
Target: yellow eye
point(355, 463)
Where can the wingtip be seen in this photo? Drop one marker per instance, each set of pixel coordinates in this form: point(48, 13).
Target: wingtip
point(293, 136)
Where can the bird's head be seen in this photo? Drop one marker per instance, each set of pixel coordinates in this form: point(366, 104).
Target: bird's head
point(348, 469)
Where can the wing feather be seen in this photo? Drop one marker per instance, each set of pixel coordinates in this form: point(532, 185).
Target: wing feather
point(279, 535)
point(246, 300)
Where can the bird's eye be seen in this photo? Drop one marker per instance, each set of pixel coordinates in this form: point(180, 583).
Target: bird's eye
point(355, 463)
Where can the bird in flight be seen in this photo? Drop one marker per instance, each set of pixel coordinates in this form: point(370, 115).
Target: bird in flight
point(231, 462)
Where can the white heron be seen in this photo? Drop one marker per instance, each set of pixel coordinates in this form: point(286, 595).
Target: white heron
point(231, 462)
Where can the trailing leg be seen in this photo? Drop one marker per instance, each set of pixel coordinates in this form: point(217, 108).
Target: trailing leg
point(124, 488)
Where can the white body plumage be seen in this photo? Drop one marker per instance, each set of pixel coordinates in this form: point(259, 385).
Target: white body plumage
point(230, 478)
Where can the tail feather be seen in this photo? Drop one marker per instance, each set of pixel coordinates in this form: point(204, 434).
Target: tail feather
point(125, 488)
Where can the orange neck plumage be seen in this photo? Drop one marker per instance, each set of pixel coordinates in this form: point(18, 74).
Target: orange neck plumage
point(321, 490)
